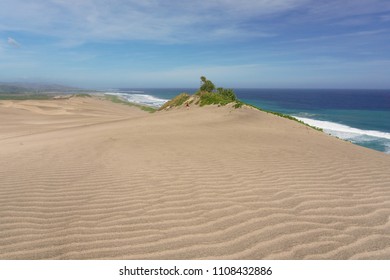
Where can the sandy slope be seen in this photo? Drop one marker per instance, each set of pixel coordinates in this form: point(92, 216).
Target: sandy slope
point(89, 179)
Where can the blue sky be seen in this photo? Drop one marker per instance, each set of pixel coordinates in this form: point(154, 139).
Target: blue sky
point(156, 43)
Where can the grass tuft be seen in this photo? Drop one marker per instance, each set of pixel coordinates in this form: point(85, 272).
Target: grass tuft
point(176, 101)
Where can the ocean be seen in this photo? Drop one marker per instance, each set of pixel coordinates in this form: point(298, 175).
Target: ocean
point(359, 116)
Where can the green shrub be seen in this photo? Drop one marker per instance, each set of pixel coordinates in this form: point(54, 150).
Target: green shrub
point(209, 98)
point(227, 93)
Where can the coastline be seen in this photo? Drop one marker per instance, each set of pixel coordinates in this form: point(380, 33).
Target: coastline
point(90, 179)
point(353, 125)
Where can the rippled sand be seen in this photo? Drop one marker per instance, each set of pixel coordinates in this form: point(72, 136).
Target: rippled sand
point(89, 179)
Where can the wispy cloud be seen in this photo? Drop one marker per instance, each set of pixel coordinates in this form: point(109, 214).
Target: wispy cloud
point(343, 35)
point(13, 42)
point(216, 37)
point(336, 10)
point(385, 18)
point(80, 21)
point(175, 20)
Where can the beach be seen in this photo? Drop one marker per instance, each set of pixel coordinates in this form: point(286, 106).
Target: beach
point(85, 178)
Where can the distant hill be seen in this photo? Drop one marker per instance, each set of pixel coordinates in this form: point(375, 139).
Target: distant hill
point(21, 88)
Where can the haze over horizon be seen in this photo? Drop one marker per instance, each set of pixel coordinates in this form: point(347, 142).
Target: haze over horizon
point(252, 44)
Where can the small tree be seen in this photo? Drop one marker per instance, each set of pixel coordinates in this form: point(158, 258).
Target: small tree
point(206, 85)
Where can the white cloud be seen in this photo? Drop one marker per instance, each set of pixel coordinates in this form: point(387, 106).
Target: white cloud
point(170, 21)
point(13, 42)
point(175, 20)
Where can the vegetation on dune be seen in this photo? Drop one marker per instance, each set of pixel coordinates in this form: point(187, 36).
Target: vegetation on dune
point(238, 104)
point(284, 116)
point(227, 93)
point(209, 95)
point(117, 99)
point(293, 119)
point(206, 85)
point(176, 101)
point(209, 98)
point(220, 96)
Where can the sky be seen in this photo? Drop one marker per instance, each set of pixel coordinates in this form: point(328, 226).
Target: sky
point(156, 43)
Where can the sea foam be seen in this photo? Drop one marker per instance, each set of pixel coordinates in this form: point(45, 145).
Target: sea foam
point(137, 97)
point(344, 131)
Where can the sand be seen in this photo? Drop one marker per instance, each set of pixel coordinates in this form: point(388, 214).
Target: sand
point(89, 179)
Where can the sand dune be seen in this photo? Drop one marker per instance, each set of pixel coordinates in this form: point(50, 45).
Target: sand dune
point(88, 179)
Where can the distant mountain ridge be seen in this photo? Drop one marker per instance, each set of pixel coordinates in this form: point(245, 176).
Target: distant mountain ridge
point(20, 87)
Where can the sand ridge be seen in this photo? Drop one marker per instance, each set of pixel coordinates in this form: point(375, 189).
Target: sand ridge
point(89, 179)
